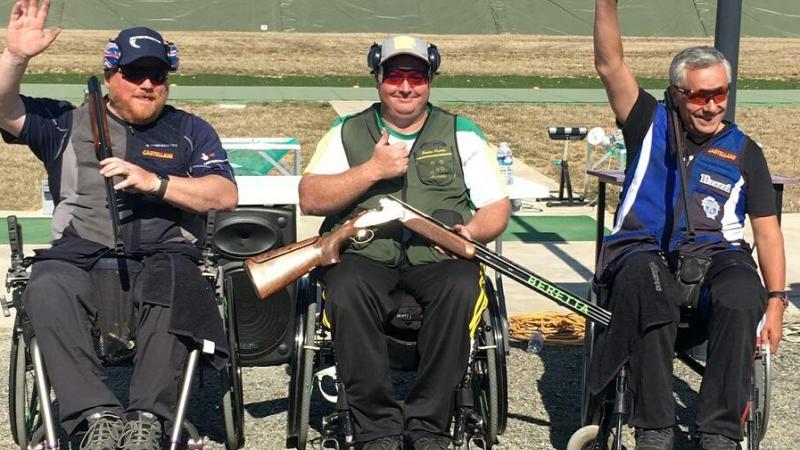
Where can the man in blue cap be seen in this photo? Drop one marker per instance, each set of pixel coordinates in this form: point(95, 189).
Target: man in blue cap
point(168, 168)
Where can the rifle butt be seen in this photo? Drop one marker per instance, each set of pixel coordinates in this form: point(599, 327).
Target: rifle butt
point(271, 271)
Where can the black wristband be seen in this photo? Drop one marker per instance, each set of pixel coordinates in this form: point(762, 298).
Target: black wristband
point(163, 180)
point(781, 295)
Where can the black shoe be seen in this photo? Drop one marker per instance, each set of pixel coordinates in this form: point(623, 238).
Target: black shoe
point(431, 443)
point(384, 443)
point(709, 441)
point(142, 432)
point(103, 433)
point(654, 439)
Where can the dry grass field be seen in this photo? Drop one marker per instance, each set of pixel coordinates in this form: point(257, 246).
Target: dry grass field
point(523, 126)
point(276, 54)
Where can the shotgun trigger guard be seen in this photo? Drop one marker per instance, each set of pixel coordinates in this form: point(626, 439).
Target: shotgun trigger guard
point(363, 236)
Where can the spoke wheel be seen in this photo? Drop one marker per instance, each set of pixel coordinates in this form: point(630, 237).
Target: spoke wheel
point(301, 368)
point(23, 400)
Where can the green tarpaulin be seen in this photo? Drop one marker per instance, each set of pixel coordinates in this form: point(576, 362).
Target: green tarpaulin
point(551, 17)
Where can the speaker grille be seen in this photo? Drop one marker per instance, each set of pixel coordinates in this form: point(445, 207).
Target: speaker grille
point(264, 327)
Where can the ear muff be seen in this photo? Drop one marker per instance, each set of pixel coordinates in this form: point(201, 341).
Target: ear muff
point(112, 55)
point(434, 59)
point(172, 56)
point(374, 60)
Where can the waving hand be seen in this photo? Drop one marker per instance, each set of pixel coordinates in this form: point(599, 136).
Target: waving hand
point(26, 36)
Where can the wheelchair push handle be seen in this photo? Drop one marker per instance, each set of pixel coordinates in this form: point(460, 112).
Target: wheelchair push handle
point(15, 239)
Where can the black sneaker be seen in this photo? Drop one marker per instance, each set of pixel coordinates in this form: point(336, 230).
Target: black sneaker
point(709, 441)
point(654, 439)
point(103, 433)
point(142, 432)
point(384, 443)
point(431, 443)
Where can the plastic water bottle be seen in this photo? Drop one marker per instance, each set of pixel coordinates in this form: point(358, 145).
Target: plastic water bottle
point(536, 342)
point(506, 161)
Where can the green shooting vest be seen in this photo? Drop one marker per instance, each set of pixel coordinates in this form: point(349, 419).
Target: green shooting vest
point(434, 180)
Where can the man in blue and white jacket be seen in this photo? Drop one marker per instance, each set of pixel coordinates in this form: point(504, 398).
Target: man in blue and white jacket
point(727, 180)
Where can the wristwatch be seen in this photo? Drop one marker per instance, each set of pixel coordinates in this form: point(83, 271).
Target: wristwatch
point(163, 180)
point(781, 295)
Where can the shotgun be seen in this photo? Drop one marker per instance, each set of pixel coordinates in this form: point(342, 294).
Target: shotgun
point(447, 238)
point(271, 271)
point(102, 150)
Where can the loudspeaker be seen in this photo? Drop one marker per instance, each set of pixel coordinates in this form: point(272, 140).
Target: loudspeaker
point(264, 328)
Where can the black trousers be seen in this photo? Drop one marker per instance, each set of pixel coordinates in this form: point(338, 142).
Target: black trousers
point(358, 306)
point(60, 301)
point(735, 303)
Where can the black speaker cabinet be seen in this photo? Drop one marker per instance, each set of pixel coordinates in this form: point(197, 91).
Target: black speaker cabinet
point(264, 328)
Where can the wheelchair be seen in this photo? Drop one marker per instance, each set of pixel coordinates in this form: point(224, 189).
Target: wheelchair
point(481, 405)
point(603, 415)
point(30, 400)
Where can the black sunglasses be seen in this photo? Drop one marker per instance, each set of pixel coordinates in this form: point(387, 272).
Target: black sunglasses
point(137, 75)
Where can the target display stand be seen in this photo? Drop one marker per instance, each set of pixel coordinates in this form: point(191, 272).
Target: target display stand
point(566, 134)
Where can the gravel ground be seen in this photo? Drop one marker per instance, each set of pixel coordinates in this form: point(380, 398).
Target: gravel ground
point(544, 391)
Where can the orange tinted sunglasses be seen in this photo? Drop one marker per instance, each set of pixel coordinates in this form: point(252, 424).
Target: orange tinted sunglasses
point(395, 77)
point(703, 96)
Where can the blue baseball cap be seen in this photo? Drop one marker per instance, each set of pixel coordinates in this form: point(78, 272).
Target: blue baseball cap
point(141, 42)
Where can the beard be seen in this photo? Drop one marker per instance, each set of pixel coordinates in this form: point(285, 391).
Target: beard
point(137, 112)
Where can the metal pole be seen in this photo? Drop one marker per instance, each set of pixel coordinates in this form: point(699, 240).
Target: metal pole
point(186, 389)
point(43, 387)
point(726, 40)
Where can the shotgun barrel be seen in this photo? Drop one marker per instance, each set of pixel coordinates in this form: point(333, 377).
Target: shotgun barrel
point(102, 149)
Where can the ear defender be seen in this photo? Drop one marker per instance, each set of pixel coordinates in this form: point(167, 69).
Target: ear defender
point(172, 56)
point(434, 59)
point(111, 55)
point(374, 58)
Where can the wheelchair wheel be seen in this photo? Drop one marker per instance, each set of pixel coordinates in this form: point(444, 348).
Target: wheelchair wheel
point(233, 394)
point(758, 418)
point(484, 383)
point(499, 333)
point(233, 408)
point(23, 401)
point(301, 368)
point(586, 437)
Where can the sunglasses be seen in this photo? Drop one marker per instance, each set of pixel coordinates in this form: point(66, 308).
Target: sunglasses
point(703, 96)
point(137, 75)
point(396, 77)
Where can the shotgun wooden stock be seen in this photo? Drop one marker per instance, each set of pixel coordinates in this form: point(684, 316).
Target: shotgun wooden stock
point(273, 270)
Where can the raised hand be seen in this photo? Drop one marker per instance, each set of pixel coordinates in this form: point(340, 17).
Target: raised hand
point(389, 160)
point(26, 36)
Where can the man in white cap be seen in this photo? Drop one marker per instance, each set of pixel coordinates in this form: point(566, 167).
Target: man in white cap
point(441, 164)
point(168, 168)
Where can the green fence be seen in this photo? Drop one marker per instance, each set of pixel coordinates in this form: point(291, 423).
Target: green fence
point(550, 17)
